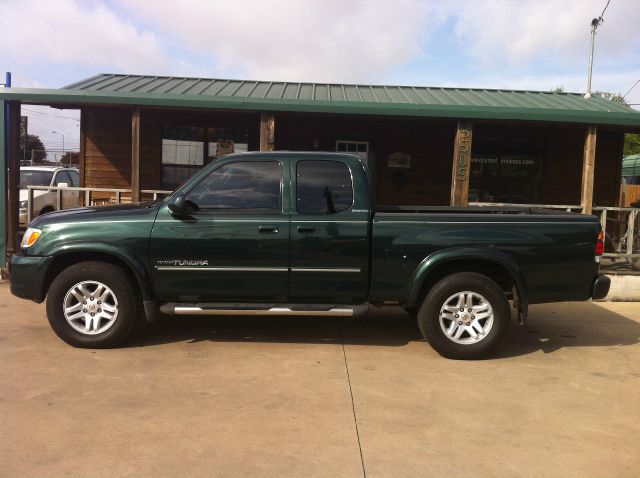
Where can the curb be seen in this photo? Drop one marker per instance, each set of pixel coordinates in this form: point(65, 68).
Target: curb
point(624, 288)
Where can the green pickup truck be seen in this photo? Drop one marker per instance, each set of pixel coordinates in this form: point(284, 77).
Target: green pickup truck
point(286, 233)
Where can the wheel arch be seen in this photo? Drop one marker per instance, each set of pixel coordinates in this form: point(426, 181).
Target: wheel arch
point(123, 257)
point(497, 265)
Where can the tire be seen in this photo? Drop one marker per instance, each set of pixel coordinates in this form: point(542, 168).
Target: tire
point(452, 336)
point(46, 210)
point(113, 320)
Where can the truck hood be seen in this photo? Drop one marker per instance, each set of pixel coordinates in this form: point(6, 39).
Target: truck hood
point(98, 213)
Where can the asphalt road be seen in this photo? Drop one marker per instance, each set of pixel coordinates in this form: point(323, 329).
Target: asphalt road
point(322, 397)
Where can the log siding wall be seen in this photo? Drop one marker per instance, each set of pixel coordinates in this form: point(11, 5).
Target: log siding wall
point(106, 161)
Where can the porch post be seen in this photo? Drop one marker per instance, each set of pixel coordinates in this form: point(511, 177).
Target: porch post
point(267, 131)
point(135, 154)
point(3, 182)
point(588, 168)
point(461, 164)
point(13, 178)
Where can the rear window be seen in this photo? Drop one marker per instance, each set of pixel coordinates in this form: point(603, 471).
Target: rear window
point(35, 178)
point(323, 187)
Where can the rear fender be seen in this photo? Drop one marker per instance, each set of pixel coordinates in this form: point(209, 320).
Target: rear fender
point(449, 256)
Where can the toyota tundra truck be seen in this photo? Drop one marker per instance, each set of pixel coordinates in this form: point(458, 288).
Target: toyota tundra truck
point(283, 233)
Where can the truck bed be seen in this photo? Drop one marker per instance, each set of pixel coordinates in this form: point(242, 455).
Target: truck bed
point(552, 250)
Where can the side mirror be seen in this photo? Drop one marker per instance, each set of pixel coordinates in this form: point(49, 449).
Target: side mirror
point(178, 204)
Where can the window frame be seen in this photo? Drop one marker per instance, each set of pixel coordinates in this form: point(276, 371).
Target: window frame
point(210, 210)
point(295, 190)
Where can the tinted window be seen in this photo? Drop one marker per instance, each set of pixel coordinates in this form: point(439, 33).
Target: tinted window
point(29, 177)
point(323, 187)
point(62, 177)
point(75, 178)
point(241, 185)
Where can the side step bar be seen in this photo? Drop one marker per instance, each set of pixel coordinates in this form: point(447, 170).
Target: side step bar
point(326, 310)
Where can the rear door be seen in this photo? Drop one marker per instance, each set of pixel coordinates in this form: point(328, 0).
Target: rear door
point(329, 232)
point(235, 247)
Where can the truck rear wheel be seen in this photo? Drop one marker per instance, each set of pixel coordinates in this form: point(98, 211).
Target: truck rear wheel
point(92, 305)
point(465, 316)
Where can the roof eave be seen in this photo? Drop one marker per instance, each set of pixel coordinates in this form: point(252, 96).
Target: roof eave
point(83, 97)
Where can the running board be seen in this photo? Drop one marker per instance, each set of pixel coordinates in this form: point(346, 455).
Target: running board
point(324, 310)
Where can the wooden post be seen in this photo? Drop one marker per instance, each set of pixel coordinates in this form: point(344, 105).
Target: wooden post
point(267, 131)
point(135, 154)
point(461, 164)
point(588, 169)
point(13, 178)
point(82, 160)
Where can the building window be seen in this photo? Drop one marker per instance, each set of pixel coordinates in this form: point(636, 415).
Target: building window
point(361, 148)
point(186, 149)
point(505, 170)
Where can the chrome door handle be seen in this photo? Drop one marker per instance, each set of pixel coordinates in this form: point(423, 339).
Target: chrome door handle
point(268, 229)
point(306, 229)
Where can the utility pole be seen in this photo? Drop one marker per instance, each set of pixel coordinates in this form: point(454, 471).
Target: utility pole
point(595, 23)
point(62, 143)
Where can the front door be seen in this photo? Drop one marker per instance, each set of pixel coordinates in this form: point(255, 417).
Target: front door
point(235, 246)
point(329, 245)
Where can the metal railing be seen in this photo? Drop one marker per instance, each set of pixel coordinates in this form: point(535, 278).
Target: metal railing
point(564, 207)
point(622, 233)
point(88, 199)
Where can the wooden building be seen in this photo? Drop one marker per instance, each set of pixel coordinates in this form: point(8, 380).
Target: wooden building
point(423, 146)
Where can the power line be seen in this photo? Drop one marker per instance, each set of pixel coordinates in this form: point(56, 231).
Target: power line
point(49, 115)
point(634, 85)
point(604, 10)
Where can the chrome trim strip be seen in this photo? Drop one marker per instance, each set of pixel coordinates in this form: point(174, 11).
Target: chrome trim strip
point(225, 269)
point(329, 220)
point(326, 269)
point(426, 222)
point(336, 311)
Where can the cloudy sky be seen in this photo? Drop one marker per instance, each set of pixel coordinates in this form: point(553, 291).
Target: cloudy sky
point(519, 44)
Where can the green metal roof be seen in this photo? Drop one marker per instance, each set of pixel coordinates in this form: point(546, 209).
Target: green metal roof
point(334, 98)
point(631, 165)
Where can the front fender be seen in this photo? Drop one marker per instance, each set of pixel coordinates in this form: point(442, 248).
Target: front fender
point(120, 251)
point(448, 256)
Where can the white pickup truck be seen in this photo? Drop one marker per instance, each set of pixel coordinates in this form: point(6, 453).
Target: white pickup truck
point(45, 200)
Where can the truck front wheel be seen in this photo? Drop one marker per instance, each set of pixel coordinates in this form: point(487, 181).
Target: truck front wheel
point(465, 316)
point(92, 305)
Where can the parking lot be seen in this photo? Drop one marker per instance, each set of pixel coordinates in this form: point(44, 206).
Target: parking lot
point(322, 397)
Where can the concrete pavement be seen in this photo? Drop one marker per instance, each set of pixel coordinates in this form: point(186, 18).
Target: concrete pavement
point(273, 397)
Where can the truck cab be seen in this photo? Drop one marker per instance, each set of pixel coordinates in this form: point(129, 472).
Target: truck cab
point(279, 228)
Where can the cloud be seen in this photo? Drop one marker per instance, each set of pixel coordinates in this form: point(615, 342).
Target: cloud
point(555, 30)
point(332, 40)
point(66, 32)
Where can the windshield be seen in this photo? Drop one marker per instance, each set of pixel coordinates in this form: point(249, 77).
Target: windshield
point(35, 178)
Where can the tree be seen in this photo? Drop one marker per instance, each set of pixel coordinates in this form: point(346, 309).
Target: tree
point(631, 144)
point(34, 148)
point(558, 89)
point(615, 97)
point(631, 141)
point(70, 158)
